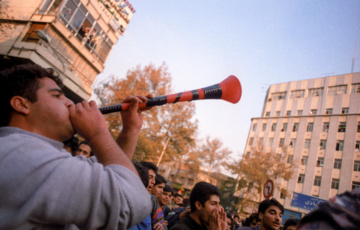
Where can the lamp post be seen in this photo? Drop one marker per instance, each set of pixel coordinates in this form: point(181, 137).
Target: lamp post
point(41, 34)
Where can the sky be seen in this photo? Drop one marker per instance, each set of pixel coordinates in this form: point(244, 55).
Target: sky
point(261, 42)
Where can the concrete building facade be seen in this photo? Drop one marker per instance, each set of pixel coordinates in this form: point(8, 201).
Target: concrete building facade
point(319, 121)
point(79, 33)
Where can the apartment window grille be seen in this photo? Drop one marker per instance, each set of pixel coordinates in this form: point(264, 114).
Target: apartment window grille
point(339, 145)
point(297, 93)
point(307, 144)
point(254, 127)
point(358, 127)
point(309, 127)
point(267, 114)
point(355, 88)
point(301, 178)
point(271, 140)
point(335, 183)
point(263, 127)
point(281, 142)
point(284, 128)
point(251, 140)
point(322, 144)
point(278, 113)
point(320, 162)
point(273, 127)
point(317, 181)
point(316, 92)
point(357, 166)
point(278, 96)
point(337, 163)
point(325, 127)
point(290, 159)
point(357, 146)
point(337, 90)
point(329, 111)
point(293, 143)
point(295, 127)
point(299, 112)
point(313, 111)
point(288, 113)
point(342, 127)
point(345, 110)
point(355, 185)
point(304, 160)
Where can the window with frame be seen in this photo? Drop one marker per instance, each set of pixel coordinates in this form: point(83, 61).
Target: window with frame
point(307, 143)
point(290, 159)
point(251, 140)
point(284, 128)
point(315, 92)
point(357, 146)
point(295, 127)
point(313, 111)
point(254, 127)
point(309, 127)
point(261, 140)
point(293, 142)
point(271, 140)
point(297, 93)
point(358, 127)
point(337, 90)
point(355, 88)
point(339, 145)
point(320, 162)
point(345, 110)
point(337, 163)
point(357, 166)
point(317, 181)
point(273, 127)
point(301, 178)
point(49, 7)
point(342, 127)
point(267, 114)
point(278, 96)
point(325, 127)
point(329, 111)
point(335, 183)
point(304, 160)
point(322, 144)
point(299, 112)
point(281, 142)
point(282, 196)
point(263, 127)
point(288, 113)
point(355, 185)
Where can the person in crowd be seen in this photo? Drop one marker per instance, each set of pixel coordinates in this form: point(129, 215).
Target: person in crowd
point(237, 221)
point(71, 145)
point(164, 199)
point(339, 212)
point(84, 149)
point(290, 224)
point(206, 212)
point(177, 201)
point(230, 223)
point(152, 169)
point(40, 182)
point(157, 190)
point(252, 221)
point(159, 185)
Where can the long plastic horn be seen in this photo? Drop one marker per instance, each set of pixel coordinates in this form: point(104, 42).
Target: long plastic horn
point(228, 90)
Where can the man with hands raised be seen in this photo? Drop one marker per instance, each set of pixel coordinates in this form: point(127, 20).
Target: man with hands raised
point(42, 185)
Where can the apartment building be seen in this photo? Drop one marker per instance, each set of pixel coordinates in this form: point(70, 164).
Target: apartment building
point(75, 38)
point(319, 121)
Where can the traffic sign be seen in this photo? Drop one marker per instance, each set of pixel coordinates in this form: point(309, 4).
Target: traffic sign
point(268, 189)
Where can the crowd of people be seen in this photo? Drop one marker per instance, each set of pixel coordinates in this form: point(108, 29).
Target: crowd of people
point(52, 180)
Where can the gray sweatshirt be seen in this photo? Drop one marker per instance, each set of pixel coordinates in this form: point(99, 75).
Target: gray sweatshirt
point(43, 187)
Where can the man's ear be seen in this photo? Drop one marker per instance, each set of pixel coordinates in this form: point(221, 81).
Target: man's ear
point(261, 215)
point(20, 104)
point(198, 205)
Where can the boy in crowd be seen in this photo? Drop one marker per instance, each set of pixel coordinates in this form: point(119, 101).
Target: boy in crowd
point(165, 199)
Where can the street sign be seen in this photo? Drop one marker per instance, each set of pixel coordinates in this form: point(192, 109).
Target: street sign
point(304, 201)
point(268, 189)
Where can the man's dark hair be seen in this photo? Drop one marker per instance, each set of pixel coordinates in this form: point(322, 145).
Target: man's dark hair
point(202, 192)
point(250, 219)
point(21, 80)
point(228, 215)
point(290, 222)
point(265, 204)
point(177, 194)
point(86, 143)
point(143, 173)
point(159, 180)
point(150, 165)
point(167, 188)
point(73, 143)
